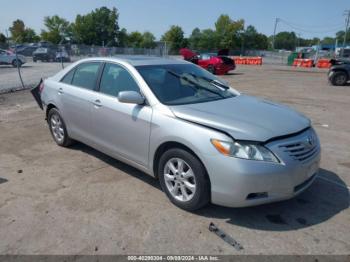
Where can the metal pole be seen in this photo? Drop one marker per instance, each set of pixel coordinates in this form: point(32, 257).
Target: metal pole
point(242, 43)
point(17, 64)
point(274, 34)
point(61, 53)
point(347, 12)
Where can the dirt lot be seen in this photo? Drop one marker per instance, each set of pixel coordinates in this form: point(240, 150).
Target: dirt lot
point(79, 201)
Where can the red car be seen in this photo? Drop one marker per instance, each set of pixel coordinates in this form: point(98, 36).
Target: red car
point(218, 64)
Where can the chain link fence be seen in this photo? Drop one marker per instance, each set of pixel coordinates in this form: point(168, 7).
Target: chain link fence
point(22, 66)
point(25, 65)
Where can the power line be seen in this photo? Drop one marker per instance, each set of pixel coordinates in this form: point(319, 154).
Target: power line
point(315, 26)
point(310, 31)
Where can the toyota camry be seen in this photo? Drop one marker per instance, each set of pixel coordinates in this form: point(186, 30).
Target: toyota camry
point(202, 139)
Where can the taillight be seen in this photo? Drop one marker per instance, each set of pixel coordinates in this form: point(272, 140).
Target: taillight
point(41, 87)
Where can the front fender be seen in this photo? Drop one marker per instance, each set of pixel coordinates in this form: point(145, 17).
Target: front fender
point(166, 128)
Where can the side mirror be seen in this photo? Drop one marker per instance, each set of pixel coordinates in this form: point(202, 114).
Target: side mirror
point(131, 97)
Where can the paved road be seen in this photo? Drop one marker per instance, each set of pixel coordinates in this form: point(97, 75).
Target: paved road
point(79, 201)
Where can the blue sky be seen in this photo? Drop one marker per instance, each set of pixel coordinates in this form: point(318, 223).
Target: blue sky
point(308, 17)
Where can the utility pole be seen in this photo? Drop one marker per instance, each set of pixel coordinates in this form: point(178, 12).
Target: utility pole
point(347, 13)
point(274, 33)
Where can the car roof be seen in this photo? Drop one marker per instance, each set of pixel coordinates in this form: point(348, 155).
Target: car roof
point(139, 60)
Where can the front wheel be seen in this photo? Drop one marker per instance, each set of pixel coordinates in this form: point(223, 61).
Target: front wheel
point(58, 128)
point(211, 69)
point(339, 78)
point(184, 179)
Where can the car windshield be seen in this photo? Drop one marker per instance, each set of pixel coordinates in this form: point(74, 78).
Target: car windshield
point(179, 84)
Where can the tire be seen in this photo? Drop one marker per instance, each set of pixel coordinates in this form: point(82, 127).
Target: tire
point(187, 190)
point(339, 78)
point(211, 69)
point(58, 128)
point(14, 63)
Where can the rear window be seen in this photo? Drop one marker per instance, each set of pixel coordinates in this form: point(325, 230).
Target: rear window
point(41, 50)
point(67, 79)
point(86, 75)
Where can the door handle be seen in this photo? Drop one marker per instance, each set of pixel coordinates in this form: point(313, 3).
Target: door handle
point(60, 91)
point(97, 103)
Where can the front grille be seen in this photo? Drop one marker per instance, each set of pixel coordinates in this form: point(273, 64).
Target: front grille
point(303, 148)
point(300, 151)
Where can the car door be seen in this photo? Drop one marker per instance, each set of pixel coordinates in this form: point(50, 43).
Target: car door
point(3, 57)
point(121, 129)
point(76, 91)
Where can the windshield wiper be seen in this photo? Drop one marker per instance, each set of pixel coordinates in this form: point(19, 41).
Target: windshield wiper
point(214, 82)
point(194, 83)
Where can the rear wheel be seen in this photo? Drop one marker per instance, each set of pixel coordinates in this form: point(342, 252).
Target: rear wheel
point(58, 128)
point(184, 179)
point(16, 63)
point(339, 78)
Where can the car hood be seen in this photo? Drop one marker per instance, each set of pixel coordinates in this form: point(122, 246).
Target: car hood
point(244, 117)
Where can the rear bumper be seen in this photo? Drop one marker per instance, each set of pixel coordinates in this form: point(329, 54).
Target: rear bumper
point(223, 69)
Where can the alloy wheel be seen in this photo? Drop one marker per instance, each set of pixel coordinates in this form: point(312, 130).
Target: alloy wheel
point(57, 128)
point(179, 179)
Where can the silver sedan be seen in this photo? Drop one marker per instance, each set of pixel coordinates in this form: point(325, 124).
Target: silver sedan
point(9, 58)
point(203, 140)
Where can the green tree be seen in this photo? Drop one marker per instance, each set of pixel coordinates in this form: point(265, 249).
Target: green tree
point(57, 29)
point(174, 38)
point(328, 40)
point(18, 31)
point(21, 34)
point(195, 38)
point(228, 32)
point(148, 40)
point(251, 39)
point(31, 36)
point(340, 36)
point(3, 39)
point(122, 37)
point(308, 42)
point(97, 28)
point(135, 39)
point(285, 40)
point(207, 40)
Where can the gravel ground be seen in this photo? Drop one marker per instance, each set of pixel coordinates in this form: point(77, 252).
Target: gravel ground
point(79, 201)
point(31, 74)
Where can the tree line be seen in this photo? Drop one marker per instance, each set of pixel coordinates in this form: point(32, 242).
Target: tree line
point(101, 27)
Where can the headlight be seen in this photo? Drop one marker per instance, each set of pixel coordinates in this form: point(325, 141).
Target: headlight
point(244, 150)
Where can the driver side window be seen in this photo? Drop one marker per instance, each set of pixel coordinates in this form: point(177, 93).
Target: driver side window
point(116, 79)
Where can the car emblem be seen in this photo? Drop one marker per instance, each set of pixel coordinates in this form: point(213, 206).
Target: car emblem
point(310, 141)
